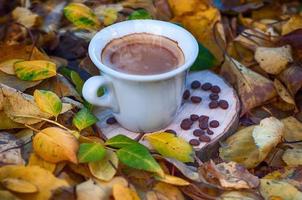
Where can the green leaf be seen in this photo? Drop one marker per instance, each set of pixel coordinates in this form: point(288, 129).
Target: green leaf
point(138, 157)
point(120, 141)
point(83, 119)
point(139, 14)
point(91, 152)
point(77, 81)
point(48, 102)
point(171, 146)
point(81, 16)
point(35, 70)
point(204, 60)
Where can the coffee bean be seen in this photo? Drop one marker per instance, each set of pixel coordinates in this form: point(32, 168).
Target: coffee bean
point(186, 95)
point(196, 99)
point(194, 117)
point(198, 132)
point(203, 117)
point(186, 124)
point(203, 125)
point(214, 96)
point(204, 138)
point(194, 142)
point(195, 84)
point(111, 120)
point(206, 86)
point(215, 89)
point(214, 123)
point(213, 104)
point(223, 104)
point(170, 131)
point(210, 132)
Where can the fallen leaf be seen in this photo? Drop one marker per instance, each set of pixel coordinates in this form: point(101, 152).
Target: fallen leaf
point(88, 190)
point(252, 88)
point(83, 119)
point(120, 141)
point(25, 17)
point(169, 191)
point(55, 145)
point(33, 175)
point(283, 93)
point(282, 56)
point(106, 168)
point(48, 102)
point(292, 157)
point(77, 81)
point(7, 123)
point(270, 189)
point(204, 60)
point(35, 160)
point(173, 180)
point(81, 16)
point(199, 17)
point(169, 145)
point(231, 175)
point(267, 135)
point(139, 14)
point(236, 195)
point(292, 78)
point(8, 66)
point(19, 185)
point(237, 6)
point(138, 157)
point(17, 104)
point(107, 186)
point(10, 152)
point(35, 70)
point(91, 152)
point(294, 23)
point(7, 195)
point(292, 129)
point(121, 192)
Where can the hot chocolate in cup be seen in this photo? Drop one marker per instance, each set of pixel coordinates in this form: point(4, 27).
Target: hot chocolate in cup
point(144, 64)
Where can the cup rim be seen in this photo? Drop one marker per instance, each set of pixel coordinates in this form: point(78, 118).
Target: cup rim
point(95, 52)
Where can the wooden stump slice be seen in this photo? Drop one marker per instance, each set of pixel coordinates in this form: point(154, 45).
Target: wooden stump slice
point(227, 118)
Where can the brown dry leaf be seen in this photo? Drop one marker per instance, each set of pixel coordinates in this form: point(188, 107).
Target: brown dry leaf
point(239, 52)
point(8, 66)
point(121, 192)
point(173, 180)
point(166, 191)
point(12, 156)
point(88, 190)
point(239, 195)
point(36, 160)
point(25, 16)
point(199, 17)
point(292, 129)
point(43, 179)
point(7, 123)
point(284, 94)
point(292, 157)
point(294, 23)
point(292, 78)
point(252, 88)
point(16, 104)
point(19, 185)
point(273, 60)
point(7, 195)
point(107, 186)
point(55, 145)
point(231, 175)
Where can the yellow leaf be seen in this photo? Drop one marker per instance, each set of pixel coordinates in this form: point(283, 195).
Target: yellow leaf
point(25, 16)
point(48, 102)
point(36, 160)
point(8, 66)
point(107, 186)
point(171, 146)
point(294, 23)
point(292, 157)
point(19, 185)
point(238, 195)
point(283, 92)
point(110, 16)
point(55, 145)
point(281, 57)
point(173, 180)
point(292, 129)
point(43, 179)
point(35, 70)
point(169, 191)
point(7, 195)
point(81, 16)
point(103, 169)
point(278, 188)
point(121, 192)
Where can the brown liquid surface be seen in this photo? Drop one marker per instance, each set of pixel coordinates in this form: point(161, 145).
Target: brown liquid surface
point(142, 54)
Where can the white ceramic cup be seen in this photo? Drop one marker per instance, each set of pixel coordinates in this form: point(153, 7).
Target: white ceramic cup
point(140, 103)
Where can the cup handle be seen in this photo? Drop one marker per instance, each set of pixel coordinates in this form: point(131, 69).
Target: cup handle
point(90, 90)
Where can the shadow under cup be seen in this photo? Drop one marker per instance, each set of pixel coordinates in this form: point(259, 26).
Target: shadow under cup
point(140, 103)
